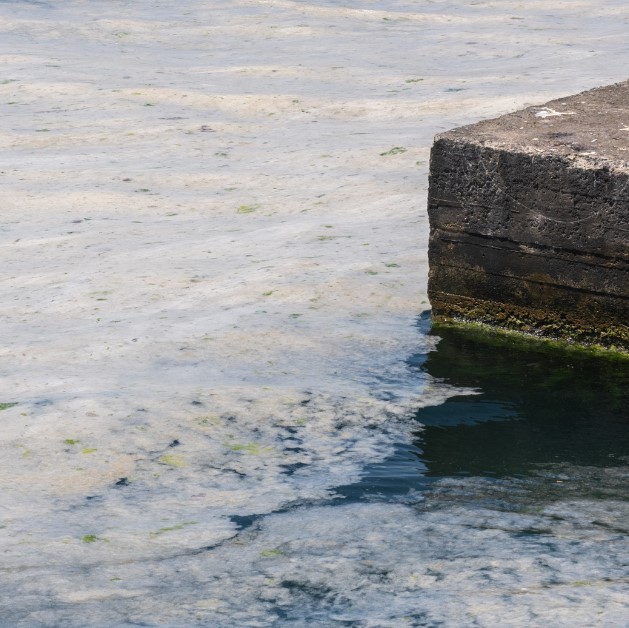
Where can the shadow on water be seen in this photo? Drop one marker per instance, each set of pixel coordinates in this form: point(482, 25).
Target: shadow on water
point(535, 408)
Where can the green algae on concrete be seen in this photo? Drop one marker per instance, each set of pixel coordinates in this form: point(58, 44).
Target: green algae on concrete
point(503, 337)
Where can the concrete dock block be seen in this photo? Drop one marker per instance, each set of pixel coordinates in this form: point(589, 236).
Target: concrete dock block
point(529, 218)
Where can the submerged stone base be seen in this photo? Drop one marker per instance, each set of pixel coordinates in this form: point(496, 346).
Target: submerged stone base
point(529, 217)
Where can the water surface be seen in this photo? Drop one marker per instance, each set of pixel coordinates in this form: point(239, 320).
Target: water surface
point(215, 402)
point(537, 415)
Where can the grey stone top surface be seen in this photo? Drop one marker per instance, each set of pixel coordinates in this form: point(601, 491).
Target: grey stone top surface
point(590, 128)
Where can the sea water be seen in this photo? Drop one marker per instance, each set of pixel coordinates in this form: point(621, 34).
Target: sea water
point(221, 401)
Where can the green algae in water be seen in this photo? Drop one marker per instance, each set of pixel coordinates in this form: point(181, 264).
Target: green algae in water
point(210, 420)
point(173, 528)
point(247, 209)
point(271, 553)
point(250, 448)
point(173, 460)
point(7, 405)
point(396, 150)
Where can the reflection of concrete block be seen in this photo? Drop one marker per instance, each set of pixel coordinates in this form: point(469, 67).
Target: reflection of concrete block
point(529, 217)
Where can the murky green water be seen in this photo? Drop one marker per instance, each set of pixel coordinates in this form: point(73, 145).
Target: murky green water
point(556, 422)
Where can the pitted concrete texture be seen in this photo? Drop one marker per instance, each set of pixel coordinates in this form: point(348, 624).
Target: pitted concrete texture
point(529, 217)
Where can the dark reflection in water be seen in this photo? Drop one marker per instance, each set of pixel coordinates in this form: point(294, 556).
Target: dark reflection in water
point(536, 408)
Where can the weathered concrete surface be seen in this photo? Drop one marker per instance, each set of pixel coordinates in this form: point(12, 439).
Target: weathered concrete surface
point(529, 217)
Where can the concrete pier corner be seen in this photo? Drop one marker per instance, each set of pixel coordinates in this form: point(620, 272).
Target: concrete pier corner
point(529, 217)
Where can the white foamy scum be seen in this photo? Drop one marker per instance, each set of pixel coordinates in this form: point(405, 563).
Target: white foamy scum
point(213, 259)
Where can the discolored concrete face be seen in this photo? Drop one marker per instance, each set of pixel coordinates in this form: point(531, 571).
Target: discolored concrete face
point(529, 219)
